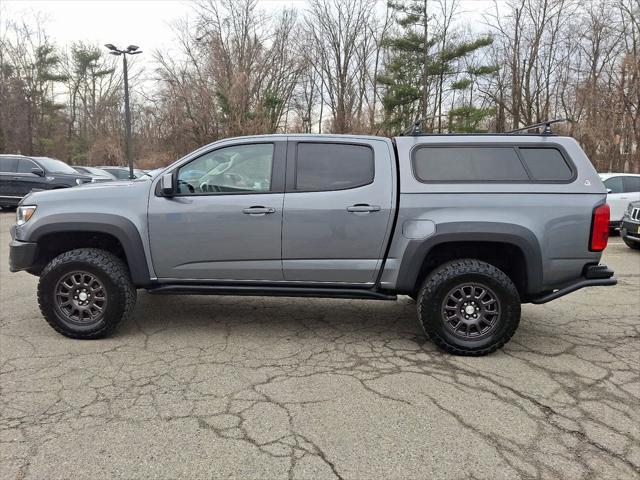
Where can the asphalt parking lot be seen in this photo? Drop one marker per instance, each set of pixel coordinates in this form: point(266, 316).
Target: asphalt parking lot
point(210, 387)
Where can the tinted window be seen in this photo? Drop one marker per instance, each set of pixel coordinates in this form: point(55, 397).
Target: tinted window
point(333, 166)
point(614, 184)
point(235, 169)
point(25, 166)
point(8, 164)
point(468, 164)
point(546, 164)
point(631, 184)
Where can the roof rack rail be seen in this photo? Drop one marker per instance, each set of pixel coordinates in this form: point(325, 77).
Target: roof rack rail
point(538, 126)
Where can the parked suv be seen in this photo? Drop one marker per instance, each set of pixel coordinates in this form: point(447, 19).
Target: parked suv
point(622, 188)
point(470, 226)
point(19, 175)
point(630, 228)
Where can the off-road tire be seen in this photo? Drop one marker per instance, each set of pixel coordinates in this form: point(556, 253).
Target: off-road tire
point(631, 244)
point(436, 289)
point(107, 269)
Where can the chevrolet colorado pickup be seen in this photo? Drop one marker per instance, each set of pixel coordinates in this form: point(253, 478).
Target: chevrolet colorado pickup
point(470, 226)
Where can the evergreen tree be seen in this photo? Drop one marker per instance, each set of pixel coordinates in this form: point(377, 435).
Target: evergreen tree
point(423, 61)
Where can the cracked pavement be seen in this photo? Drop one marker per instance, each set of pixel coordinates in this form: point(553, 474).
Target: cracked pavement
point(244, 387)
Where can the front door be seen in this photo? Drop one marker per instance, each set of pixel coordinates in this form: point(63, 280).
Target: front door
point(224, 223)
point(337, 210)
point(8, 167)
point(25, 180)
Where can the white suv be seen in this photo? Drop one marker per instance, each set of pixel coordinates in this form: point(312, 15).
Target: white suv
point(622, 189)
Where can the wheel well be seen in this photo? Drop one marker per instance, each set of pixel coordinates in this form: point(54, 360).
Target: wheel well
point(507, 257)
point(53, 244)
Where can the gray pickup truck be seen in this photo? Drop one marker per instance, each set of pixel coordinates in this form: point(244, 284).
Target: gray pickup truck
point(470, 226)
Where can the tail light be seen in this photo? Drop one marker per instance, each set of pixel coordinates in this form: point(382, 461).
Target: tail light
point(599, 228)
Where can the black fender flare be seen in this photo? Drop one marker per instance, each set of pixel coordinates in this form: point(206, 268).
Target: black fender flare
point(523, 238)
point(117, 226)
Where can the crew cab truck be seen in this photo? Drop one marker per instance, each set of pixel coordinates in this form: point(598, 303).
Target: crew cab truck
point(470, 226)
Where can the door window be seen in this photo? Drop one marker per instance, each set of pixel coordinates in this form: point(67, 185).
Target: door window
point(8, 164)
point(631, 184)
point(614, 184)
point(25, 165)
point(235, 169)
point(332, 166)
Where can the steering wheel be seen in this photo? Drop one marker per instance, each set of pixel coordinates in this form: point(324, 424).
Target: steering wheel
point(184, 183)
point(208, 187)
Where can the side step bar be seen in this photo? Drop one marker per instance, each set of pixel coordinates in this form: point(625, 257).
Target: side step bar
point(266, 291)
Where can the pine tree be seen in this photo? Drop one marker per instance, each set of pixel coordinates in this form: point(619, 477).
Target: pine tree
point(422, 63)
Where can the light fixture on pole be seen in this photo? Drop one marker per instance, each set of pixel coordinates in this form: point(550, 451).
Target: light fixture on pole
point(131, 50)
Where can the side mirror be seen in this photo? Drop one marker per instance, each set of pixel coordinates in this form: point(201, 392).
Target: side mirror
point(37, 171)
point(166, 185)
point(609, 190)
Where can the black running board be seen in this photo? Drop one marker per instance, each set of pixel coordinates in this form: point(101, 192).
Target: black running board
point(267, 291)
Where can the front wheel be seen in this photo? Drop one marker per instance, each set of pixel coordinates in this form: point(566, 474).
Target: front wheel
point(85, 293)
point(469, 307)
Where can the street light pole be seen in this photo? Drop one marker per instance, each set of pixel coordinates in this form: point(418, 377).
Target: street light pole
point(127, 117)
point(131, 50)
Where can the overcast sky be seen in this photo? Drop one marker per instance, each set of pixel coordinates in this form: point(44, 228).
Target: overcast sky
point(146, 23)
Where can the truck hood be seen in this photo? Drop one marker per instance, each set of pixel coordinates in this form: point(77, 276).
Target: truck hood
point(91, 192)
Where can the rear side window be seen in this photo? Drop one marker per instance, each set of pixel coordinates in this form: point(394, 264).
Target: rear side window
point(546, 164)
point(631, 184)
point(468, 164)
point(614, 184)
point(333, 166)
point(8, 164)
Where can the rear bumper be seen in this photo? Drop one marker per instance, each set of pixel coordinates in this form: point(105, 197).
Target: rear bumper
point(22, 255)
point(630, 231)
point(594, 276)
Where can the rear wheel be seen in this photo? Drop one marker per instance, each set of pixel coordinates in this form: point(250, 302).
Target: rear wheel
point(85, 293)
point(469, 307)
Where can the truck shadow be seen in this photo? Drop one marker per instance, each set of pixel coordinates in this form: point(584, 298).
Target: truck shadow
point(269, 316)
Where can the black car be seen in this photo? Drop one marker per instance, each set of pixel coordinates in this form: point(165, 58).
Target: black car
point(19, 175)
point(97, 174)
point(122, 173)
point(630, 227)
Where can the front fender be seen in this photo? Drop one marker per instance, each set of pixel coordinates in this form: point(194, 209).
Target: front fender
point(119, 227)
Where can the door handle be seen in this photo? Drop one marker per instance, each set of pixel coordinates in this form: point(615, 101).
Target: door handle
point(258, 210)
point(363, 208)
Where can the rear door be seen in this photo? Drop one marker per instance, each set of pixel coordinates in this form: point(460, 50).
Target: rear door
point(337, 209)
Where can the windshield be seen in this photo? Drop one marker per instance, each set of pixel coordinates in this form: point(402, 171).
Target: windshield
point(55, 166)
point(97, 172)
